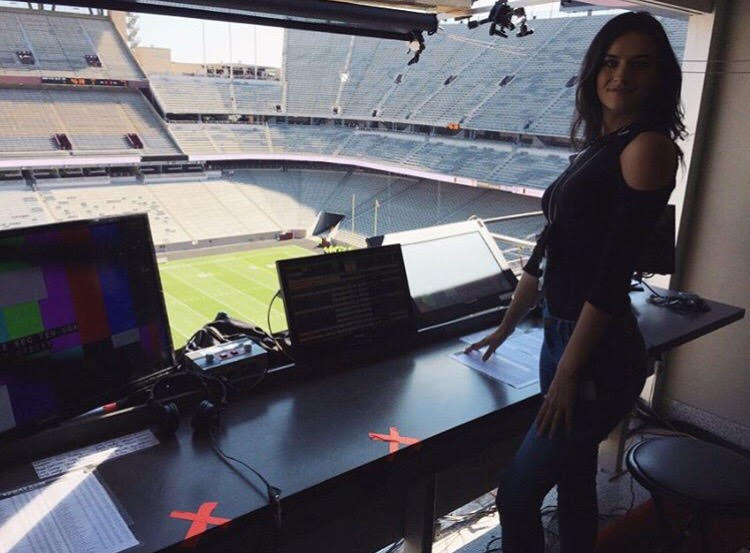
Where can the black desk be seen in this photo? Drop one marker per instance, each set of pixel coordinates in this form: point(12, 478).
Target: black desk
point(342, 490)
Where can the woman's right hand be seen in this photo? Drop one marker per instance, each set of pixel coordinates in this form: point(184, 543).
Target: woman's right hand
point(492, 341)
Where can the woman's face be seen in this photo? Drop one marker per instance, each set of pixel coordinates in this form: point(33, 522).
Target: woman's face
point(628, 74)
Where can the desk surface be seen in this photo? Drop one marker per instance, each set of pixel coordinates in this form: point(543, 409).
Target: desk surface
point(663, 329)
point(311, 435)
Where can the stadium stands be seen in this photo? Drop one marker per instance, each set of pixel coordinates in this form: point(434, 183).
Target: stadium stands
point(514, 86)
point(20, 206)
point(59, 44)
point(209, 95)
point(317, 61)
point(75, 200)
point(261, 201)
point(480, 95)
point(93, 120)
point(481, 160)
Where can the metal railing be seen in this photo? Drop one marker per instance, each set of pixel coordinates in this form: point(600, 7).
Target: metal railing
point(520, 247)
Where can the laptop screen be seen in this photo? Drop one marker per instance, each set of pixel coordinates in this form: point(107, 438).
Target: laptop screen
point(346, 304)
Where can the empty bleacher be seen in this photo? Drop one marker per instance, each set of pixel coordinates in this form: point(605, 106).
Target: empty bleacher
point(516, 85)
point(93, 120)
point(210, 95)
point(20, 206)
point(60, 42)
point(261, 201)
point(75, 200)
point(313, 69)
point(481, 160)
point(464, 76)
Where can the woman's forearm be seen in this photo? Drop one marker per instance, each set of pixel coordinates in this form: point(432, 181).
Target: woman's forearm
point(524, 298)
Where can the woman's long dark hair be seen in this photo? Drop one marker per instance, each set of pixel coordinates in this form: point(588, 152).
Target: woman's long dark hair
point(662, 108)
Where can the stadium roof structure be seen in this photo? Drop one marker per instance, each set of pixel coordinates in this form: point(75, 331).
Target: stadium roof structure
point(315, 15)
point(447, 9)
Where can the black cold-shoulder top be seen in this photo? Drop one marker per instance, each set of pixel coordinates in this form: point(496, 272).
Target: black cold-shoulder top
point(600, 226)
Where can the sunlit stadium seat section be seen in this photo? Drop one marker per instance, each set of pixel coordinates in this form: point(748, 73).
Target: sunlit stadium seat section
point(234, 207)
point(63, 45)
point(209, 95)
point(482, 160)
point(20, 206)
point(313, 65)
point(463, 76)
point(516, 85)
point(179, 212)
point(95, 121)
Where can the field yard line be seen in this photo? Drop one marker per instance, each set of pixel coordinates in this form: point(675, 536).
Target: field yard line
point(228, 267)
point(178, 300)
point(265, 305)
point(274, 273)
point(217, 300)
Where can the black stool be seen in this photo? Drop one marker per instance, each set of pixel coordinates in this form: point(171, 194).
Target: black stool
point(707, 478)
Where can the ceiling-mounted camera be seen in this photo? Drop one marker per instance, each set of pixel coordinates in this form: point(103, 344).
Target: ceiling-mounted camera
point(501, 20)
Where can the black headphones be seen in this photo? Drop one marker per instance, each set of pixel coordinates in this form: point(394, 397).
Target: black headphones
point(207, 414)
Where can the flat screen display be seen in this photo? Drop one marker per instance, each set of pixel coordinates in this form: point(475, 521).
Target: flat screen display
point(82, 318)
point(346, 303)
point(453, 272)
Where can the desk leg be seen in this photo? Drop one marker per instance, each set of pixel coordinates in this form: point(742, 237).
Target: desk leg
point(658, 382)
point(624, 434)
point(625, 430)
point(419, 518)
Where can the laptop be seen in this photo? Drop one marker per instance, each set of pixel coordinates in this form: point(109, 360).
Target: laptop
point(347, 308)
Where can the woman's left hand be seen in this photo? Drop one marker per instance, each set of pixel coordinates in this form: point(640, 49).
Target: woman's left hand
point(559, 403)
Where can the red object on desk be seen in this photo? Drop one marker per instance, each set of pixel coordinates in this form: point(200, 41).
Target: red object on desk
point(201, 519)
point(393, 439)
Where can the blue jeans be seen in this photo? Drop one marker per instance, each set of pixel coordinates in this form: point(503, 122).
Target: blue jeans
point(610, 382)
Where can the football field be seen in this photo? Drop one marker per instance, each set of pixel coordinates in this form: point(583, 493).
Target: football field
point(240, 283)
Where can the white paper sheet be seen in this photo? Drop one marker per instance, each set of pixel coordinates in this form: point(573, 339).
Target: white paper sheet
point(71, 514)
point(515, 362)
point(497, 367)
point(94, 455)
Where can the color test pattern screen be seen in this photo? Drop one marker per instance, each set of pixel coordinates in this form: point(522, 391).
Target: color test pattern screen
point(81, 317)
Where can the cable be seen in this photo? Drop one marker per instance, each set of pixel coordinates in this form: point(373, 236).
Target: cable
point(282, 349)
point(651, 412)
point(202, 379)
point(467, 519)
point(682, 302)
point(273, 493)
point(396, 546)
point(494, 549)
point(643, 281)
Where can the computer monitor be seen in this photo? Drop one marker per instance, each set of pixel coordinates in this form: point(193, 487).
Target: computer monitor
point(82, 319)
point(347, 305)
point(454, 270)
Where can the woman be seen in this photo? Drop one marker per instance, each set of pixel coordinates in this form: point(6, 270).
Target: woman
point(599, 212)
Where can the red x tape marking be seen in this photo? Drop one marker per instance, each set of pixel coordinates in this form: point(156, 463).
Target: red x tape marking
point(393, 439)
point(201, 519)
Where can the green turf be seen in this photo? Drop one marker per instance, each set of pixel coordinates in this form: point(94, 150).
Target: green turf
point(241, 284)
